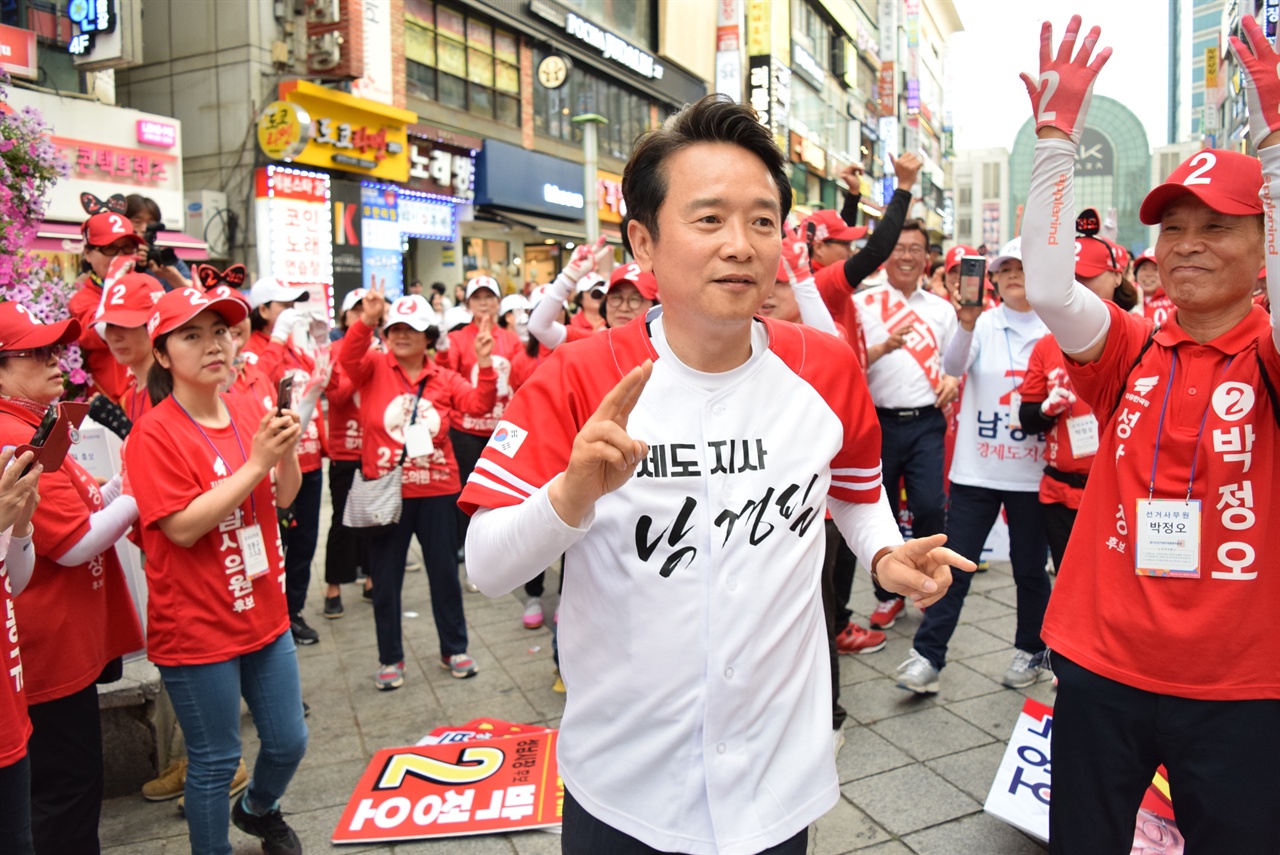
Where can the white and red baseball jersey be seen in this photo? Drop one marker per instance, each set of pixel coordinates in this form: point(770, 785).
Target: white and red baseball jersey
point(1200, 637)
point(387, 407)
point(74, 620)
point(1046, 370)
point(991, 450)
point(202, 607)
point(691, 629)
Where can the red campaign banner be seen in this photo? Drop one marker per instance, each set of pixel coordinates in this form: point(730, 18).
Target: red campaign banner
point(507, 783)
point(480, 728)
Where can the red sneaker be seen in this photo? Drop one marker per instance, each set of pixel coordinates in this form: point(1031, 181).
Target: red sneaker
point(886, 613)
point(855, 639)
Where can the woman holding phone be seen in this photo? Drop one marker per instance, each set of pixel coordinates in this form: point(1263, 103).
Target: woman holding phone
point(218, 626)
point(76, 617)
point(19, 494)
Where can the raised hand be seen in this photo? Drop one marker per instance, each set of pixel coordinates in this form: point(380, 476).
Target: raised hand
point(921, 569)
point(1059, 401)
point(795, 258)
point(484, 341)
point(373, 305)
point(18, 493)
point(1060, 97)
point(583, 260)
point(907, 169)
point(1261, 66)
point(604, 456)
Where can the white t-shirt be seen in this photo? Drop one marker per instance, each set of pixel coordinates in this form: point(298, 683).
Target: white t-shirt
point(691, 627)
point(896, 379)
point(989, 451)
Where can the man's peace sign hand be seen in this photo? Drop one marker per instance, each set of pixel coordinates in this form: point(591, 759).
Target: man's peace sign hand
point(604, 456)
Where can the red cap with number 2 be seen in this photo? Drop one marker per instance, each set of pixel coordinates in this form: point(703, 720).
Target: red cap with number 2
point(1227, 181)
point(177, 307)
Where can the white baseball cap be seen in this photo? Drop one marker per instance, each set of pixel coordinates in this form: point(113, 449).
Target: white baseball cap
point(1011, 251)
point(353, 297)
point(483, 282)
point(269, 289)
point(414, 312)
point(456, 316)
point(512, 302)
point(591, 282)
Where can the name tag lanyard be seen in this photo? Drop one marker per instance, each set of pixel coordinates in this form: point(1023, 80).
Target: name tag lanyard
point(1195, 458)
point(1015, 396)
point(253, 503)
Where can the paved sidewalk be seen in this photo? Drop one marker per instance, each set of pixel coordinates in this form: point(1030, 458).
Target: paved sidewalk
point(914, 771)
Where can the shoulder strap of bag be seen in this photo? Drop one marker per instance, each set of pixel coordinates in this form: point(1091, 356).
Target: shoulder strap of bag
point(1124, 384)
point(413, 417)
point(1271, 389)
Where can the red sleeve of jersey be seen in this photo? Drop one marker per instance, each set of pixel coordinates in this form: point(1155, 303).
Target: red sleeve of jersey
point(531, 444)
point(522, 368)
point(1098, 384)
point(61, 518)
point(161, 490)
point(474, 400)
point(1035, 383)
point(83, 306)
point(355, 357)
point(449, 358)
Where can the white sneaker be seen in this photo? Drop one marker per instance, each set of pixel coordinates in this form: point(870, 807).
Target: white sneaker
point(1021, 672)
point(918, 675)
point(837, 740)
point(533, 616)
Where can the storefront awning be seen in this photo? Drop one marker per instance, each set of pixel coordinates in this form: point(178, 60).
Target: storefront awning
point(547, 227)
point(65, 237)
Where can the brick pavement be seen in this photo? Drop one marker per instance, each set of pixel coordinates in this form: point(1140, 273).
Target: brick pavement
point(914, 771)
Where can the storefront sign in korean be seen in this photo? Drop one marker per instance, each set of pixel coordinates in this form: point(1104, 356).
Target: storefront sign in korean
point(380, 238)
point(92, 17)
point(18, 52)
point(159, 134)
point(283, 130)
point(424, 216)
point(452, 789)
point(441, 168)
point(295, 231)
point(351, 134)
point(609, 204)
point(612, 47)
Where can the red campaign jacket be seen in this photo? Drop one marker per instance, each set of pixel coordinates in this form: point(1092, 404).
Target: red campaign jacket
point(386, 401)
point(511, 364)
point(109, 376)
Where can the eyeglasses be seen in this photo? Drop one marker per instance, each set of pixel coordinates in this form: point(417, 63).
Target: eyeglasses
point(631, 301)
point(41, 354)
point(112, 250)
point(914, 251)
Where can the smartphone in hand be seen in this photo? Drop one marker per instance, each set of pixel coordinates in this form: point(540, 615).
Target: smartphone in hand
point(43, 430)
point(973, 277)
point(284, 395)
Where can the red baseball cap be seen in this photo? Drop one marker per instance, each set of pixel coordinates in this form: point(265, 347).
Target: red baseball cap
point(226, 292)
point(1096, 254)
point(1227, 181)
point(1148, 254)
point(177, 307)
point(644, 281)
point(21, 330)
point(827, 225)
point(954, 255)
point(108, 227)
point(130, 301)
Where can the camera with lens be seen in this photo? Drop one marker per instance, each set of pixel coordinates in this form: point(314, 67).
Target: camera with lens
point(159, 256)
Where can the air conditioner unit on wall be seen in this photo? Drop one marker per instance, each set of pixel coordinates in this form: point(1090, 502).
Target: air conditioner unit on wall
point(324, 52)
point(323, 11)
point(206, 213)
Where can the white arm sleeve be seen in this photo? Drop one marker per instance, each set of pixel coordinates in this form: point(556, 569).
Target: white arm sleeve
point(1270, 157)
point(960, 353)
point(507, 547)
point(542, 320)
point(19, 558)
point(1075, 315)
point(813, 311)
point(866, 528)
point(105, 528)
point(110, 490)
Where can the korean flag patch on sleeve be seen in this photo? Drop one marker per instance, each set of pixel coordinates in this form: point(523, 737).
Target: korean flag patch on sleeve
point(507, 438)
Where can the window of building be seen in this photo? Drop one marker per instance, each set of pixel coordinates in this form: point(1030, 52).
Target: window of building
point(460, 61)
point(630, 19)
point(814, 29)
point(964, 229)
point(965, 194)
point(990, 181)
point(628, 112)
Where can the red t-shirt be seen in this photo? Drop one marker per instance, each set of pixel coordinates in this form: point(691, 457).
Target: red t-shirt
point(266, 354)
point(386, 402)
point(135, 401)
point(837, 294)
point(582, 322)
point(1047, 369)
point(15, 726)
point(201, 605)
point(510, 362)
point(344, 417)
point(74, 620)
point(1209, 638)
point(312, 443)
point(109, 376)
point(1157, 307)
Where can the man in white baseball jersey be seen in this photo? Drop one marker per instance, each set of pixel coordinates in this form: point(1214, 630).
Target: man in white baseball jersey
point(685, 461)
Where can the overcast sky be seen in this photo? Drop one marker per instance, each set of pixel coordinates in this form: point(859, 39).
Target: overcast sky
point(1001, 38)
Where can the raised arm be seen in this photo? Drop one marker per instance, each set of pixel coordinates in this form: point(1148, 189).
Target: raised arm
point(882, 241)
point(1060, 99)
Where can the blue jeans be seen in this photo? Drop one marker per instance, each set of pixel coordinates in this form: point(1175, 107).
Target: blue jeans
point(914, 452)
point(206, 699)
point(433, 521)
point(973, 513)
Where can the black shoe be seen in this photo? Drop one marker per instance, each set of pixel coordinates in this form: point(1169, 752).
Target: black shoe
point(276, 835)
point(302, 634)
point(368, 595)
point(333, 607)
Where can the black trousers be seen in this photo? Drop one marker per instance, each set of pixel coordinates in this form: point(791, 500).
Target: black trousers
point(66, 774)
point(15, 808)
point(1108, 738)
point(846, 568)
point(467, 448)
point(914, 452)
point(831, 604)
point(583, 834)
point(1058, 522)
point(300, 540)
point(346, 549)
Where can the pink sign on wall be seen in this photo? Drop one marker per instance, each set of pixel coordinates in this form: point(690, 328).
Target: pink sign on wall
point(156, 133)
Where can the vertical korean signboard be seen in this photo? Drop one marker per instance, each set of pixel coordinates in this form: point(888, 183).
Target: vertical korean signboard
point(348, 260)
point(728, 40)
point(295, 243)
point(380, 238)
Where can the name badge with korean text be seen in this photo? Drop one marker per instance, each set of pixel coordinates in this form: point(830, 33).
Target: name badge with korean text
point(417, 440)
point(254, 550)
point(1082, 433)
point(1015, 405)
point(1168, 538)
